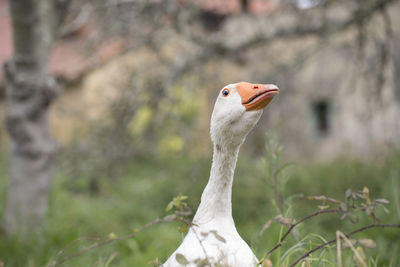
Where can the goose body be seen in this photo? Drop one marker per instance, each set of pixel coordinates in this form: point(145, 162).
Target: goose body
point(213, 238)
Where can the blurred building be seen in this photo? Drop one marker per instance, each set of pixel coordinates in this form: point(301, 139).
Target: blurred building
point(333, 102)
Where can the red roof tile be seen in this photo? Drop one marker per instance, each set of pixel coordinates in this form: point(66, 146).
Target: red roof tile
point(69, 57)
point(6, 47)
point(235, 6)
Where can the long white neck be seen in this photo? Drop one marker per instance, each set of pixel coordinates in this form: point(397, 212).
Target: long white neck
point(217, 196)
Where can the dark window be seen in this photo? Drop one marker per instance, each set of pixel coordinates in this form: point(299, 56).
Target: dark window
point(245, 5)
point(321, 116)
point(211, 21)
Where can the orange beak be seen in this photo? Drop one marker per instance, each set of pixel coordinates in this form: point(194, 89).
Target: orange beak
point(256, 96)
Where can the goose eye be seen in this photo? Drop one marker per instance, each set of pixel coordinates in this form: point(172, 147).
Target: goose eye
point(225, 92)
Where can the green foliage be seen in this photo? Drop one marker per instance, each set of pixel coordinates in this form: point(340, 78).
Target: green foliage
point(275, 173)
point(354, 202)
point(178, 203)
point(140, 196)
point(181, 259)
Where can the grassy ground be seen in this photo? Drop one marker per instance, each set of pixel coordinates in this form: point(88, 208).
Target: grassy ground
point(123, 204)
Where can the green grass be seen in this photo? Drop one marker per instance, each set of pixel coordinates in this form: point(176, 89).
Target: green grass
point(141, 195)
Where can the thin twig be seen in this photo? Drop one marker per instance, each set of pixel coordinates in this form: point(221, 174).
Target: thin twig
point(56, 262)
point(72, 244)
point(347, 235)
point(308, 217)
point(200, 242)
point(293, 226)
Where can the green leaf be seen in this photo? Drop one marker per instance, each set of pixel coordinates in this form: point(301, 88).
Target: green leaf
point(366, 194)
point(181, 259)
point(353, 218)
point(183, 228)
point(366, 191)
point(169, 206)
point(323, 207)
point(204, 234)
point(368, 243)
point(112, 235)
point(382, 201)
point(369, 210)
point(343, 206)
point(155, 262)
point(170, 218)
point(386, 210)
point(218, 237)
point(321, 198)
point(348, 193)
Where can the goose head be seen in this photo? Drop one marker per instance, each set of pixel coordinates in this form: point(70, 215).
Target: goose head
point(237, 110)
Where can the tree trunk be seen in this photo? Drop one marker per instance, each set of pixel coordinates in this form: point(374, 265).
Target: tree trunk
point(29, 92)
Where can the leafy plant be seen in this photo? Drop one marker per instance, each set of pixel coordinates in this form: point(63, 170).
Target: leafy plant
point(354, 203)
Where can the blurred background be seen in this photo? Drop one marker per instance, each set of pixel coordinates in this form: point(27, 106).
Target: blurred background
point(137, 81)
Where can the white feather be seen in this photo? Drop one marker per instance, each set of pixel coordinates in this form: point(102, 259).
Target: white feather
point(214, 237)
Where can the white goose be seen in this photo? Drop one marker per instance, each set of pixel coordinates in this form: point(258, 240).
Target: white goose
point(214, 238)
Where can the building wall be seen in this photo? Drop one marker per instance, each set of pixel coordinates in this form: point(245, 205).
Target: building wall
point(360, 107)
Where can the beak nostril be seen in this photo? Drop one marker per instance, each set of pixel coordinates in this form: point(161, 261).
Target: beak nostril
point(255, 87)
